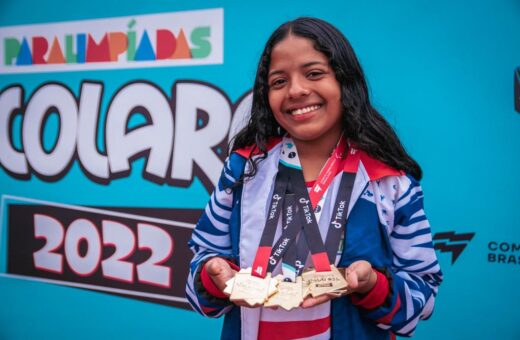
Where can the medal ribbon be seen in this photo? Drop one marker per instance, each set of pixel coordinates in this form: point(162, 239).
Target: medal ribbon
point(291, 228)
point(264, 249)
point(322, 254)
point(268, 256)
point(295, 257)
point(339, 217)
point(310, 225)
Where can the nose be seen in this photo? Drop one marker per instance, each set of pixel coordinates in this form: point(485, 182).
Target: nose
point(297, 88)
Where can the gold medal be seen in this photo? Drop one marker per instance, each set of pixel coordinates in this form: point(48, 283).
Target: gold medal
point(320, 283)
point(229, 286)
point(341, 291)
point(253, 290)
point(306, 290)
point(289, 294)
point(338, 293)
point(273, 286)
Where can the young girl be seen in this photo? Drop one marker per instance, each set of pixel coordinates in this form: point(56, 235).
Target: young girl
point(312, 126)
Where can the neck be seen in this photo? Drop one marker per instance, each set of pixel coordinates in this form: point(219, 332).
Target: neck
point(314, 154)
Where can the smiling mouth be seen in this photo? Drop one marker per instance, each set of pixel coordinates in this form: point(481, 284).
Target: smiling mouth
point(303, 110)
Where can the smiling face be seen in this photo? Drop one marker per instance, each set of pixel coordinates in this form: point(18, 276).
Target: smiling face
point(304, 95)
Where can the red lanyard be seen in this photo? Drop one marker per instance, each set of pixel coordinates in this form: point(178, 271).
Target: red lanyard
point(328, 172)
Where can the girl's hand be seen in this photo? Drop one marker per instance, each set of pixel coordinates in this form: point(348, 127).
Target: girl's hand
point(220, 272)
point(361, 278)
point(314, 301)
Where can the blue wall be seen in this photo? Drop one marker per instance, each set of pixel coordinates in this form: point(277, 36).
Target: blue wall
point(441, 73)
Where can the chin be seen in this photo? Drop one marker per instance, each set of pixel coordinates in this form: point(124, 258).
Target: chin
point(305, 136)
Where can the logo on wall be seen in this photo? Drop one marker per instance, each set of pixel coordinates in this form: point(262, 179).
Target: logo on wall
point(166, 39)
point(450, 242)
point(504, 252)
point(499, 252)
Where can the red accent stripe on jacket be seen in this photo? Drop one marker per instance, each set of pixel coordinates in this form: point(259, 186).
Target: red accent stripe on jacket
point(388, 318)
point(269, 330)
point(253, 150)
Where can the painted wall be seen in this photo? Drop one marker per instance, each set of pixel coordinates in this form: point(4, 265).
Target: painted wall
point(442, 73)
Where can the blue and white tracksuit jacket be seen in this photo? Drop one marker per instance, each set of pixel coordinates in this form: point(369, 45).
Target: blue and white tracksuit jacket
point(386, 227)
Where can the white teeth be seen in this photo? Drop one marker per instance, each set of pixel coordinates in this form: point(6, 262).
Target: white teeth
point(305, 110)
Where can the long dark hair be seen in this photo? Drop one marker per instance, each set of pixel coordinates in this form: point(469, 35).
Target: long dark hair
point(363, 125)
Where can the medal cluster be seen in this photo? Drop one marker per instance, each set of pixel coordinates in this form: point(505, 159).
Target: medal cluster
point(256, 286)
point(277, 292)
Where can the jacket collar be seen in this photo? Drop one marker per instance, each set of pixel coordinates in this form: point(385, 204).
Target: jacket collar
point(375, 169)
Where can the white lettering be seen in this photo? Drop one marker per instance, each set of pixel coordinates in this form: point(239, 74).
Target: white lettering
point(194, 145)
point(156, 137)
point(105, 150)
point(51, 98)
point(13, 160)
point(95, 163)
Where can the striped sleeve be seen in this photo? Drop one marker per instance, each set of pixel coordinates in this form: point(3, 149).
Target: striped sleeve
point(415, 274)
point(211, 237)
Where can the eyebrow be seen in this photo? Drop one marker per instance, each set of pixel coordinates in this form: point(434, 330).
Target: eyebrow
point(311, 63)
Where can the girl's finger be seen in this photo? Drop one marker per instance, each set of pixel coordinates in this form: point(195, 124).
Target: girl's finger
point(310, 301)
point(219, 271)
point(214, 267)
point(352, 280)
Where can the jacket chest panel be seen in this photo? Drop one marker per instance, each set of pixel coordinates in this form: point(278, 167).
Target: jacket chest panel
point(365, 239)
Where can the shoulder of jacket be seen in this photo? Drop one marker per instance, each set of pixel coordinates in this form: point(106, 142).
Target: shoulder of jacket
point(374, 168)
point(253, 150)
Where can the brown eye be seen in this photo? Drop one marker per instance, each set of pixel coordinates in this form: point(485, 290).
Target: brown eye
point(278, 83)
point(315, 74)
